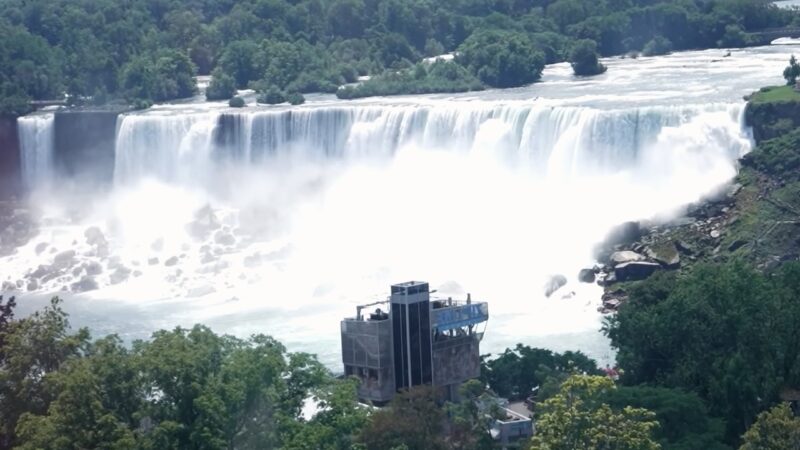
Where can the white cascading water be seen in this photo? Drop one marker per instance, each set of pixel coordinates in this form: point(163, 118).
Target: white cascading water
point(36, 148)
point(280, 220)
point(552, 141)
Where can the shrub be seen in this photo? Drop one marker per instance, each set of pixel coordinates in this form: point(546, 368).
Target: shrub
point(222, 86)
point(236, 102)
point(295, 98)
point(583, 58)
point(272, 96)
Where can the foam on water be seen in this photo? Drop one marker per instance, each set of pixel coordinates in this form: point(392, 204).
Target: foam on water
point(281, 220)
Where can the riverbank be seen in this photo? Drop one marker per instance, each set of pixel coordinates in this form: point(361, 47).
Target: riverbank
point(756, 218)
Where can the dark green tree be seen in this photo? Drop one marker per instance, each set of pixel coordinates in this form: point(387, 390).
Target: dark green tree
point(584, 58)
point(221, 87)
point(792, 72)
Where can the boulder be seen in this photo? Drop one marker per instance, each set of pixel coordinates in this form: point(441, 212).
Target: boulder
point(152, 261)
point(625, 256)
point(8, 286)
point(635, 270)
point(94, 236)
point(586, 276)
point(87, 283)
point(553, 284)
point(64, 259)
point(119, 275)
point(93, 268)
point(41, 247)
point(33, 285)
point(666, 255)
point(171, 261)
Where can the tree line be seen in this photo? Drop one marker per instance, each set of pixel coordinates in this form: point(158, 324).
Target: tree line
point(705, 361)
point(142, 51)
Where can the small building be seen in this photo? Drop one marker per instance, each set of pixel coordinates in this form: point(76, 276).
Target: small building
point(411, 341)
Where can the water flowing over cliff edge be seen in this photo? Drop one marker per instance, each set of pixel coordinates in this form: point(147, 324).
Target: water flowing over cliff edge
point(279, 220)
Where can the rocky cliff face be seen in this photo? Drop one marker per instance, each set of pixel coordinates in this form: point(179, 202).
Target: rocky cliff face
point(10, 182)
point(772, 119)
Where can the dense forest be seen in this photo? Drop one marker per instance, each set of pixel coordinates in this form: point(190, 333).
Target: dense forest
point(142, 51)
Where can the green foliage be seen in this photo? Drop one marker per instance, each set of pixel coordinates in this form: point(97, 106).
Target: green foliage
point(792, 72)
point(34, 349)
point(440, 76)
point(773, 94)
point(236, 102)
point(165, 75)
point(515, 373)
point(776, 429)
point(659, 45)
point(778, 156)
point(684, 423)
point(724, 332)
point(80, 47)
point(412, 419)
point(272, 96)
point(221, 87)
point(182, 389)
point(577, 418)
point(583, 58)
point(295, 98)
point(502, 59)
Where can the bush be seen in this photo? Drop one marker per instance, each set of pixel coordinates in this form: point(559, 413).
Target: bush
point(236, 102)
point(272, 96)
point(295, 98)
point(222, 86)
point(583, 58)
point(659, 45)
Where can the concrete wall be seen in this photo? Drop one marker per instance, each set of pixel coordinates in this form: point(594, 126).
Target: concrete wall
point(10, 166)
point(456, 360)
point(84, 145)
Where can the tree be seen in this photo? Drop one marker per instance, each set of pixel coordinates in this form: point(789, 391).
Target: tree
point(583, 58)
point(502, 59)
point(577, 419)
point(659, 45)
point(775, 429)
point(295, 98)
point(272, 96)
point(236, 102)
point(338, 422)
point(239, 60)
point(684, 422)
point(515, 373)
point(34, 348)
point(412, 419)
point(97, 399)
point(707, 331)
point(222, 86)
point(469, 427)
point(792, 72)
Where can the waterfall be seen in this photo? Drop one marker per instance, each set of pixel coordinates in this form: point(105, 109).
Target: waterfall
point(36, 148)
point(548, 140)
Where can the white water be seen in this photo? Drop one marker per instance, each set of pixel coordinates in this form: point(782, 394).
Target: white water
point(329, 203)
point(36, 148)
